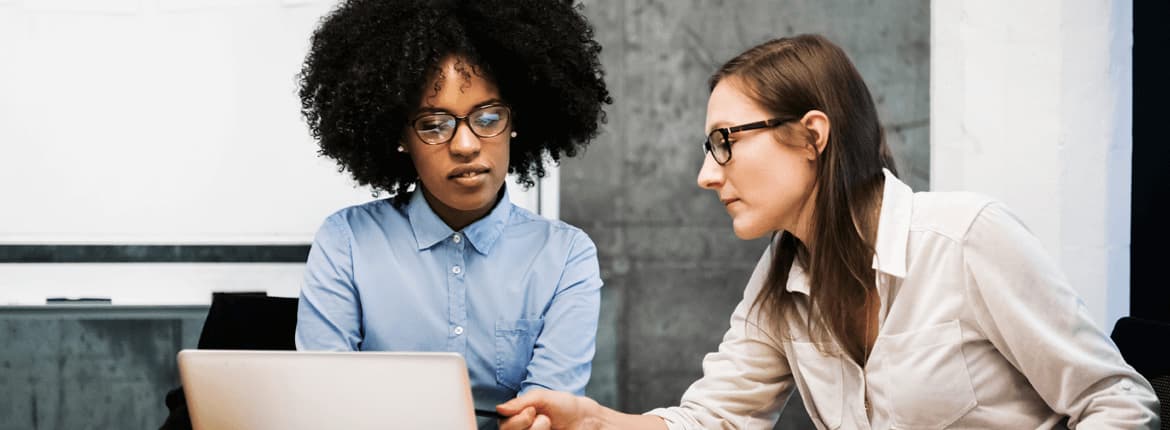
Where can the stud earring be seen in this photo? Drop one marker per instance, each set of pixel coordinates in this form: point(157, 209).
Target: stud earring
point(401, 149)
point(513, 135)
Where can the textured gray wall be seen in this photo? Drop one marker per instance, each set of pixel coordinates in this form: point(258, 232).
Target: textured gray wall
point(672, 267)
point(90, 370)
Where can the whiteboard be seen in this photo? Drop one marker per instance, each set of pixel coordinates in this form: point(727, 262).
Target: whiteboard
point(177, 124)
point(172, 122)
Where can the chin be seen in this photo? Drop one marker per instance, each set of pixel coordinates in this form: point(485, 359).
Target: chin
point(747, 231)
point(476, 200)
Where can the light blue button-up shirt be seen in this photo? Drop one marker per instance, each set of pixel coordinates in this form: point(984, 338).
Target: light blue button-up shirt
point(516, 294)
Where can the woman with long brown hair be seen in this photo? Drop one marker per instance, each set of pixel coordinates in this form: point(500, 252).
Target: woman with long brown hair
point(883, 307)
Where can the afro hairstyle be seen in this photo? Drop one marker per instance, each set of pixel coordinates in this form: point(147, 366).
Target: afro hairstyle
point(369, 61)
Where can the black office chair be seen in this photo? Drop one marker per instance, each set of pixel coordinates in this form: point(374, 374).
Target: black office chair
point(1139, 341)
point(238, 321)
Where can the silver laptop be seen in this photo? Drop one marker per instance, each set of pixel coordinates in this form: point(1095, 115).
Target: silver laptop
point(292, 390)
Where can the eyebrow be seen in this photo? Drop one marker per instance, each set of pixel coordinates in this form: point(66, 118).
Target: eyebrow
point(433, 109)
point(718, 125)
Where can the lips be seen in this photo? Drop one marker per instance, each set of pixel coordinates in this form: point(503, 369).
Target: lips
point(468, 171)
point(728, 201)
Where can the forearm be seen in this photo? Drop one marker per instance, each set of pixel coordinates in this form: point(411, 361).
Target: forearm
point(559, 410)
point(603, 418)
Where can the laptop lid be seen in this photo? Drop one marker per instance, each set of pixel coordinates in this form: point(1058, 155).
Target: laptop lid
point(293, 390)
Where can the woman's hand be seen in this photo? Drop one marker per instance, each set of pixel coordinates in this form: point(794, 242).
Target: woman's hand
point(553, 410)
point(549, 410)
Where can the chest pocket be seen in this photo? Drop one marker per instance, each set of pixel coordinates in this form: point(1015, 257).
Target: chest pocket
point(515, 340)
point(929, 385)
point(823, 376)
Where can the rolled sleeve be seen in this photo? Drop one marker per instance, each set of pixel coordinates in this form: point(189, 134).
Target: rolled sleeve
point(563, 351)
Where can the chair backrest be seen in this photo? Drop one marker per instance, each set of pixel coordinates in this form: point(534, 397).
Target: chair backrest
point(249, 321)
point(1139, 341)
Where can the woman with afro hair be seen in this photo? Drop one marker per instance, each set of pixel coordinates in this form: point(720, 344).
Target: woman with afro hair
point(435, 102)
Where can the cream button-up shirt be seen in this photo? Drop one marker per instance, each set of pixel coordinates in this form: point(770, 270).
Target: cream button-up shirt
point(978, 328)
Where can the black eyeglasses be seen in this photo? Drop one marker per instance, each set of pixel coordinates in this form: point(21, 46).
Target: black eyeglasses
point(718, 143)
point(439, 128)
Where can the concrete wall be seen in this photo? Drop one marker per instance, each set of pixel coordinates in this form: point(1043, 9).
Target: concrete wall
point(672, 267)
point(82, 369)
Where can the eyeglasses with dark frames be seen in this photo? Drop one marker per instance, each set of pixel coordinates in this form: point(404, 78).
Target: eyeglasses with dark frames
point(718, 142)
point(439, 128)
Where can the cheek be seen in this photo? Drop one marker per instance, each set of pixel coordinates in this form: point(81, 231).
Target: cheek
point(427, 164)
point(777, 182)
point(501, 156)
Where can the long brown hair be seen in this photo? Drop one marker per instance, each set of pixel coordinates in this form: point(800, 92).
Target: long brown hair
point(789, 77)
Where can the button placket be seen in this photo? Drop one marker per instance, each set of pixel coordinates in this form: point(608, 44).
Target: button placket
point(458, 314)
point(457, 297)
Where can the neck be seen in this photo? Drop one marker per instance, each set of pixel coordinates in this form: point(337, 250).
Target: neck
point(802, 226)
point(457, 219)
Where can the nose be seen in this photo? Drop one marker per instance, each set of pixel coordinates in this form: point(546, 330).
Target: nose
point(711, 174)
point(464, 144)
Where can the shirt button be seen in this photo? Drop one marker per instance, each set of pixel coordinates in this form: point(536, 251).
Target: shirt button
point(458, 330)
point(456, 270)
point(456, 238)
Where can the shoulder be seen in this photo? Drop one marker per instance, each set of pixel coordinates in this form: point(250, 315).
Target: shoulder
point(361, 217)
point(524, 222)
point(949, 214)
point(976, 223)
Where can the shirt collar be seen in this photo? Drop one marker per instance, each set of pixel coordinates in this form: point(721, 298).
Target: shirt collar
point(797, 279)
point(429, 229)
point(892, 236)
point(893, 227)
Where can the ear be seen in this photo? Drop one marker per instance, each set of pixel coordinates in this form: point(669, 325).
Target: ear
point(819, 126)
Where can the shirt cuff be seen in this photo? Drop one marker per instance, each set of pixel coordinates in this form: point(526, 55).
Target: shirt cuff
point(673, 418)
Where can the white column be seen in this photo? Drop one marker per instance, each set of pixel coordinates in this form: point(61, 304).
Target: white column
point(1031, 103)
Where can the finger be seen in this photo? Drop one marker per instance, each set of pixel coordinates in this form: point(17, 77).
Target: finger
point(520, 421)
point(514, 406)
point(542, 423)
